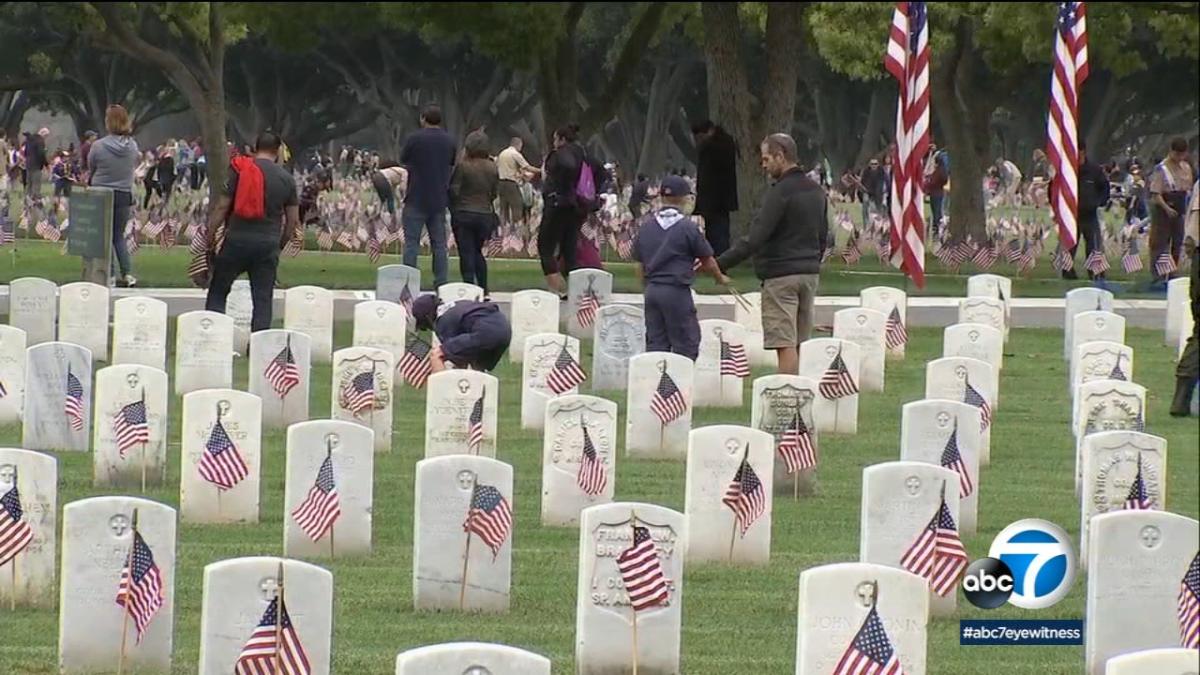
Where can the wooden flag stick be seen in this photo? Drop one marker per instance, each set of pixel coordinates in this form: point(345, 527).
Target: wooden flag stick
point(128, 594)
point(739, 299)
point(329, 454)
point(633, 523)
point(462, 589)
point(732, 537)
point(143, 468)
point(279, 620)
point(12, 599)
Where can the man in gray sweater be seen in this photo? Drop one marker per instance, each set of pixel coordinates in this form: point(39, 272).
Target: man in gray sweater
point(785, 241)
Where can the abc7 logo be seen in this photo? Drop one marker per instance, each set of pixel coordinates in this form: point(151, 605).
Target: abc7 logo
point(1031, 565)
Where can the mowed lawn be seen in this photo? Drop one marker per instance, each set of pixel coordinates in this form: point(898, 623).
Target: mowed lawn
point(735, 620)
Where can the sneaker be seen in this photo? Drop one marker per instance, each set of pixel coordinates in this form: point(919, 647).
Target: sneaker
point(130, 281)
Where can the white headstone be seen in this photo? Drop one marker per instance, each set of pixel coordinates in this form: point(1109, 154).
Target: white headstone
point(1097, 327)
point(140, 332)
point(1110, 466)
point(570, 483)
point(541, 351)
point(32, 570)
point(646, 436)
point(751, 320)
point(715, 454)
point(309, 310)
point(884, 299)
point(33, 307)
point(620, 334)
point(580, 283)
point(240, 418)
point(454, 291)
point(450, 404)
point(392, 280)
point(533, 312)
point(1082, 300)
point(986, 311)
point(1098, 361)
point(1136, 561)
point(349, 399)
point(926, 430)
point(947, 378)
point(776, 399)
point(1106, 405)
point(46, 424)
point(603, 615)
point(835, 416)
point(203, 352)
point(284, 403)
point(471, 658)
point(865, 328)
point(714, 390)
point(382, 325)
point(351, 450)
point(12, 374)
point(1169, 661)
point(83, 317)
point(443, 551)
point(835, 600)
point(899, 499)
point(238, 592)
point(97, 537)
point(1178, 298)
point(993, 286)
point(119, 459)
point(239, 306)
point(976, 341)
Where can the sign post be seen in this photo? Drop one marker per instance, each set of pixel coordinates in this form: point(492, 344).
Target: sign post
point(91, 230)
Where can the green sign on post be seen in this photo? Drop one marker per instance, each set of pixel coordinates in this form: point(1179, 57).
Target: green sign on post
point(90, 234)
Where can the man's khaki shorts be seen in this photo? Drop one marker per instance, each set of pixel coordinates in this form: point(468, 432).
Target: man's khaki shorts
point(787, 310)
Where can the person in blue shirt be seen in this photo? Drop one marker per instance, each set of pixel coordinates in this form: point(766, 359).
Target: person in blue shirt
point(428, 156)
point(666, 248)
point(472, 334)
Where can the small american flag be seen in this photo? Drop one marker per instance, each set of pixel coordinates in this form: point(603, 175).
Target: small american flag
point(796, 445)
point(1138, 498)
point(836, 382)
point(566, 373)
point(6, 231)
point(1028, 259)
point(937, 554)
point(642, 572)
point(406, 299)
point(495, 245)
point(347, 240)
point(294, 245)
point(1116, 373)
point(1164, 264)
point(952, 459)
point(733, 360)
point(985, 256)
point(220, 463)
point(744, 496)
point(489, 516)
point(130, 426)
point(971, 396)
point(414, 365)
point(140, 590)
point(47, 231)
point(374, 248)
point(592, 478)
point(1096, 263)
point(852, 253)
point(358, 395)
point(266, 644)
point(73, 405)
point(895, 333)
point(15, 533)
point(1131, 262)
point(282, 372)
point(321, 508)
point(324, 237)
point(1013, 252)
point(667, 403)
point(589, 304)
point(198, 243)
point(1063, 260)
point(475, 424)
point(870, 652)
point(166, 238)
point(1189, 606)
point(961, 252)
point(198, 267)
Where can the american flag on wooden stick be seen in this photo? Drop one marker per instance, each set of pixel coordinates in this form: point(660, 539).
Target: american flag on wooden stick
point(489, 516)
point(274, 638)
point(1188, 609)
point(871, 652)
point(140, 590)
point(907, 59)
point(282, 372)
point(937, 554)
point(1138, 498)
point(566, 374)
point(1062, 146)
point(836, 381)
point(667, 403)
point(322, 506)
point(733, 360)
point(642, 572)
point(796, 445)
point(221, 464)
point(414, 365)
point(592, 478)
point(15, 532)
point(73, 403)
point(895, 333)
point(745, 495)
point(475, 424)
point(952, 459)
point(971, 396)
point(130, 426)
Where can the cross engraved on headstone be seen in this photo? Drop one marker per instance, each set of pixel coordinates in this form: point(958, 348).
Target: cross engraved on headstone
point(861, 319)
point(84, 294)
point(140, 307)
point(943, 419)
point(865, 591)
point(466, 479)
point(960, 372)
point(224, 407)
point(732, 446)
point(464, 386)
point(1099, 322)
point(269, 587)
point(535, 301)
point(119, 523)
point(380, 311)
point(132, 380)
point(913, 485)
point(7, 471)
point(973, 336)
point(477, 670)
point(1151, 537)
point(59, 353)
point(718, 331)
point(310, 296)
point(831, 351)
point(205, 323)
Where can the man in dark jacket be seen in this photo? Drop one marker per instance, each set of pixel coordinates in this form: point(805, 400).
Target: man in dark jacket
point(716, 182)
point(35, 163)
point(428, 155)
point(472, 334)
point(1093, 195)
point(785, 240)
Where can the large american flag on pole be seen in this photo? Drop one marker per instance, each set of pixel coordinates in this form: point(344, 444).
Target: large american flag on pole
point(220, 463)
point(140, 590)
point(796, 445)
point(1189, 606)
point(592, 478)
point(274, 638)
point(937, 554)
point(15, 533)
point(642, 572)
point(871, 652)
point(1062, 145)
point(667, 403)
point(489, 516)
point(745, 495)
point(907, 59)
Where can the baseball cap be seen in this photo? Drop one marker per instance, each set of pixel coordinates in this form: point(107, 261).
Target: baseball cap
point(675, 186)
point(425, 310)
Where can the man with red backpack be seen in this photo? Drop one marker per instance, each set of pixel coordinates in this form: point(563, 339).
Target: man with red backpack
point(261, 214)
point(569, 192)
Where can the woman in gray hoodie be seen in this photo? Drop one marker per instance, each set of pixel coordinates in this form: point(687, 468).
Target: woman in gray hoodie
point(111, 161)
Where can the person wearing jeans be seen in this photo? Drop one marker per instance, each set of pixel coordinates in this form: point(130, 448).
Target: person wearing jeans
point(428, 156)
point(111, 162)
point(473, 188)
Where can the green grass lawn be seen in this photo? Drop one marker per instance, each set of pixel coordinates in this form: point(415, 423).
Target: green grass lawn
point(158, 268)
point(736, 621)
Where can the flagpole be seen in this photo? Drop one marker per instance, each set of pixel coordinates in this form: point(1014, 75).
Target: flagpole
point(462, 589)
point(796, 473)
point(218, 487)
point(329, 456)
point(128, 594)
point(633, 523)
point(278, 619)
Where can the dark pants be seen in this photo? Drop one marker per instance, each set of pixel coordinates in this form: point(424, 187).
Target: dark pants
point(258, 257)
point(471, 232)
point(671, 323)
point(199, 172)
point(556, 237)
point(936, 204)
point(62, 188)
point(122, 204)
point(1189, 361)
point(151, 186)
point(512, 203)
point(383, 188)
point(716, 230)
point(1089, 233)
point(414, 221)
point(1166, 233)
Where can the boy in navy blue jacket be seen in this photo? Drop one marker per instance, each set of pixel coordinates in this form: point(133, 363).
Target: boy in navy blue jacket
point(667, 246)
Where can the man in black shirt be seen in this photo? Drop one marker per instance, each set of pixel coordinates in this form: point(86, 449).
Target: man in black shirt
point(260, 211)
point(716, 182)
point(1093, 195)
point(428, 155)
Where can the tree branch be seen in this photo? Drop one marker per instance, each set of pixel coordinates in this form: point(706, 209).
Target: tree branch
point(627, 62)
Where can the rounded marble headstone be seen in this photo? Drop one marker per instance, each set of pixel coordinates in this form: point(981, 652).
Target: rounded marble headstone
point(351, 449)
point(867, 329)
point(239, 414)
point(471, 658)
point(839, 416)
point(449, 403)
point(382, 325)
point(773, 408)
point(203, 352)
point(1110, 465)
point(986, 311)
point(33, 307)
point(140, 332)
point(926, 428)
point(620, 334)
point(1082, 300)
point(645, 434)
point(1106, 405)
point(309, 310)
point(533, 312)
point(1172, 660)
point(541, 351)
point(884, 299)
point(948, 377)
point(976, 341)
point(36, 478)
point(117, 388)
point(715, 454)
point(712, 388)
point(265, 347)
point(579, 283)
point(49, 367)
point(565, 473)
point(351, 362)
point(12, 373)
